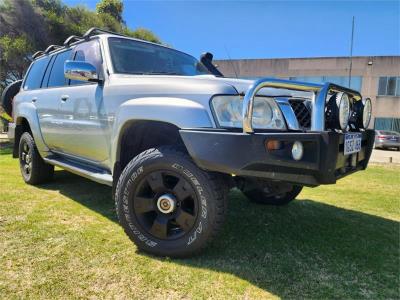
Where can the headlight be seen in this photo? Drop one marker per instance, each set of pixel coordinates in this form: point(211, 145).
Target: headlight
point(266, 113)
point(228, 110)
point(343, 104)
point(367, 111)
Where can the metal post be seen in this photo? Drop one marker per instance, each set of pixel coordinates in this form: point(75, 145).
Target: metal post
point(351, 51)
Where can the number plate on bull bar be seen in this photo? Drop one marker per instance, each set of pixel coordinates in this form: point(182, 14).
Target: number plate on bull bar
point(352, 143)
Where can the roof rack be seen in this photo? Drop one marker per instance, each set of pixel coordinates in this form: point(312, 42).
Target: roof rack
point(37, 54)
point(94, 30)
point(71, 39)
point(74, 38)
point(51, 48)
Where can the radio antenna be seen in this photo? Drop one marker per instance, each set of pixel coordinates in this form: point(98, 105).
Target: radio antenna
point(229, 57)
point(351, 51)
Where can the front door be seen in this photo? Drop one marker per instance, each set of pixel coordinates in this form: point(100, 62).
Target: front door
point(86, 130)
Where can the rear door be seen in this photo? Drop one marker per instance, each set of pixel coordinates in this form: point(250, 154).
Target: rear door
point(34, 92)
point(51, 97)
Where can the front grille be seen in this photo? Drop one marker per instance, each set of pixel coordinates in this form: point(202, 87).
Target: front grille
point(302, 113)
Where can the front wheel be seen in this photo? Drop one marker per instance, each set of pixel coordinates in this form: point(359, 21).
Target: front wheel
point(271, 193)
point(167, 205)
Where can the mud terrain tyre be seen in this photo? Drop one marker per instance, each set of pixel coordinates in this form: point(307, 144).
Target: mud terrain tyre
point(33, 169)
point(258, 191)
point(167, 205)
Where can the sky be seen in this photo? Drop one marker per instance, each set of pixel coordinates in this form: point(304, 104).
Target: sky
point(268, 29)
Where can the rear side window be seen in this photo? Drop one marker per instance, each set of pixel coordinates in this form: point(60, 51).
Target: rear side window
point(57, 77)
point(35, 75)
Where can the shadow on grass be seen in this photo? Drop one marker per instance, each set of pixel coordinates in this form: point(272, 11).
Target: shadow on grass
point(304, 250)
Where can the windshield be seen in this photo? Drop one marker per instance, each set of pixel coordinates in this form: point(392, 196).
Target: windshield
point(135, 57)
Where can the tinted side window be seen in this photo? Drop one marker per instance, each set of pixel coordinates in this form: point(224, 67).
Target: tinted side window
point(47, 73)
point(89, 52)
point(34, 78)
point(56, 77)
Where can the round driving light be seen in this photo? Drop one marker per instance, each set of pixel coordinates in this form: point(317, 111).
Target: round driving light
point(343, 103)
point(367, 111)
point(297, 150)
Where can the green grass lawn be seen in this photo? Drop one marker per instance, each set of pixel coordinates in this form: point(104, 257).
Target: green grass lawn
point(62, 240)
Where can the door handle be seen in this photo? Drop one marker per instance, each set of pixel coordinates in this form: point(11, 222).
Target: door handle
point(64, 98)
point(34, 99)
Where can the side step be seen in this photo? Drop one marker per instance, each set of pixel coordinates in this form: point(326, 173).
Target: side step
point(95, 174)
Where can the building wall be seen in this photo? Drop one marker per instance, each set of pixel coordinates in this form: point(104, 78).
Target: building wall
point(370, 68)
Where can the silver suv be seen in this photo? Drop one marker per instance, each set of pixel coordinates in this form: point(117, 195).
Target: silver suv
point(171, 135)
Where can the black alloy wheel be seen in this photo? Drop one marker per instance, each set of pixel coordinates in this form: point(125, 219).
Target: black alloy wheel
point(33, 169)
point(165, 204)
point(25, 158)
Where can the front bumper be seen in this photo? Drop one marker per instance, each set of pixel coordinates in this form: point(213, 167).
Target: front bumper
point(244, 154)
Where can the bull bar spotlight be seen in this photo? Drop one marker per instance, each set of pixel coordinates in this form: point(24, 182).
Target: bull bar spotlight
point(367, 112)
point(338, 111)
point(343, 104)
point(361, 114)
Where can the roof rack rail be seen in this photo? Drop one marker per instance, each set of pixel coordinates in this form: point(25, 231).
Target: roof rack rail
point(74, 38)
point(71, 39)
point(51, 48)
point(37, 54)
point(94, 30)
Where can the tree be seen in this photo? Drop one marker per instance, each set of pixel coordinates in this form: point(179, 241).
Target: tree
point(111, 7)
point(27, 26)
point(14, 59)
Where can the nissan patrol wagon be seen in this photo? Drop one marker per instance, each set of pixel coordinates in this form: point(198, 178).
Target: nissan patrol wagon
point(171, 135)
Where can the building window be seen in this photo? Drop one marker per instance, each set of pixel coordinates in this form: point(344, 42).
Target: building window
point(389, 86)
point(391, 124)
point(355, 84)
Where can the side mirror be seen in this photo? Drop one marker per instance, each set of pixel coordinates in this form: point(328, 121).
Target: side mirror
point(80, 70)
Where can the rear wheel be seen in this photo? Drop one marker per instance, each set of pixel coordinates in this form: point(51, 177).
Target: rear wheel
point(167, 205)
point(271, 193)
point(33, 169)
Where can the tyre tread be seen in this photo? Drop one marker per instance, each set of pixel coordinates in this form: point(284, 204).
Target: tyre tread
point(216, 183)
point(42, 172)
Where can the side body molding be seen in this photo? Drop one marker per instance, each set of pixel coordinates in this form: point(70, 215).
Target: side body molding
point(28, 111)
point(180, 112)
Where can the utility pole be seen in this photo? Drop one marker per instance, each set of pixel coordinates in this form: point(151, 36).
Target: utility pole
point(351, 51)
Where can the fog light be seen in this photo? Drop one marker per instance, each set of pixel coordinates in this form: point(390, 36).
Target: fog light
point(297, 150)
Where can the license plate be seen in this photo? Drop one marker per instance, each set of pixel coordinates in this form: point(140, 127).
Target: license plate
point(352, 143)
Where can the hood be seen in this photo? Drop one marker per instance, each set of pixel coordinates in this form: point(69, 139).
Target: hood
point(242, 85)
point(189, 86)
point(202, 84)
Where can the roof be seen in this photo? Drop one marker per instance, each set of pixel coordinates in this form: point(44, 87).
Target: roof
point(74, 39)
